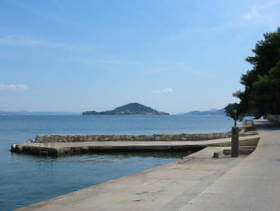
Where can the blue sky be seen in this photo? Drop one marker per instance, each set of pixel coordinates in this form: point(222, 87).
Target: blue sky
point(172, 55)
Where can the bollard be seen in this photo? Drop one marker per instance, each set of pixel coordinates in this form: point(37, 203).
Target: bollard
point(13, 147)
point(235, 142)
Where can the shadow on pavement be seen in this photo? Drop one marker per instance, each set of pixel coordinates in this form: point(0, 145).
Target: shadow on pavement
point(266, 125)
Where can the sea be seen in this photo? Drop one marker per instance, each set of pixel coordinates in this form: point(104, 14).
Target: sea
point(27, 179)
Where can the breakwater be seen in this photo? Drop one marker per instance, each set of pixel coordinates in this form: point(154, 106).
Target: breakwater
point(81, 147)
point(57, 145)
point(154, 137)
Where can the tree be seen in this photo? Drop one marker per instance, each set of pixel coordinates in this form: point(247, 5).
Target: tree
point(234, 111)
point(261, 83)
point(266, 90)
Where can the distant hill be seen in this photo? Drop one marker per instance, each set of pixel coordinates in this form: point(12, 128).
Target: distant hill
point(208, 112)
point(131, 108)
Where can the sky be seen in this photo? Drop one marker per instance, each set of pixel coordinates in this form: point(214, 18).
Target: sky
point(172, 55)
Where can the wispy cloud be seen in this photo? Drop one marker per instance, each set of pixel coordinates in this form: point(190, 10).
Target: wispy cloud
point(116, 62)
point(59, 16)
point(264, 13)
point(91, 60)
point(18, 40)
point(163, 91)
point(180, 67)
point(252, 13)
point(13, 86)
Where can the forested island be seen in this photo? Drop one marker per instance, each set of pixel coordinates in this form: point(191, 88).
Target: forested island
point(131, 108)
point(208, 112)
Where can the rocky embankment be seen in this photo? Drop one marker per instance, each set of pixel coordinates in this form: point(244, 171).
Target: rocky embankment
point(154, 137)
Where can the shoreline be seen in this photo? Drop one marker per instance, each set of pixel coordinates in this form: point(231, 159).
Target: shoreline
point(162, 188)
point(196, 161)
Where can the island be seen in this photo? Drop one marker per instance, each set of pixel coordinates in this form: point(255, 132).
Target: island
point(208, 112)
point(131, 108)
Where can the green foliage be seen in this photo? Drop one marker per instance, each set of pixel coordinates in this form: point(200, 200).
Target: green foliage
point(266, 91)
point(234, 111)
point(262, 82)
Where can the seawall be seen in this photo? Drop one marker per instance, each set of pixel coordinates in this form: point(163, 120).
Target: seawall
point(60, 145)
point(71, 148)
point(154, 137)
point(165, 188)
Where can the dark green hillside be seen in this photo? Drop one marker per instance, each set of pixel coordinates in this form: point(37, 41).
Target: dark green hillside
point(131, 108)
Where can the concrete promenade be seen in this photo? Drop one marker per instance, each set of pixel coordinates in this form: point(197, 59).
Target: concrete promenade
point(164, 188)
point(198, 182)
point(253, 184)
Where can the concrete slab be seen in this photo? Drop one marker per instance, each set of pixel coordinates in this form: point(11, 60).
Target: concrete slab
point(253, 184)
point(167, 187)
point(70, 148)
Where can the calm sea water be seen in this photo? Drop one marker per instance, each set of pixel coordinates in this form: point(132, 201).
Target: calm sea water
point(26, 179)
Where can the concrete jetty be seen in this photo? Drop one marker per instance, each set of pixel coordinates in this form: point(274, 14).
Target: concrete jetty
point(209, 179)
point(80, 147)
point(168, 187)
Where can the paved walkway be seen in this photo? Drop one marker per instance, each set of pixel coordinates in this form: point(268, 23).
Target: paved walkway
point(254, 184)
point(198, 182)
point(161, 188)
